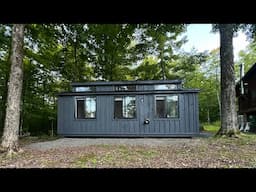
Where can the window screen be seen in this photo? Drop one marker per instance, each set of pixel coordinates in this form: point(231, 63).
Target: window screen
point(166, 87)
point(84, 89)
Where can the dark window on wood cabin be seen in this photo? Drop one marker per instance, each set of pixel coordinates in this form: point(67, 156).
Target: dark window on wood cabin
point(80, 109)
point(84, 89)
point(167, 106)
point(125, 88)
point(160, 107)
point(86, 108)
point(166, 87)
point(125, 107)
point(118, 108)
point(245, 88)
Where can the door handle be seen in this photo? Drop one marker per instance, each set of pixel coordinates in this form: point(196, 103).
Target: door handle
point(147, 121)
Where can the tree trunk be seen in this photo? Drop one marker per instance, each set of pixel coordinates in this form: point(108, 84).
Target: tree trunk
point(162, 69)
point(12, 119)
point(208, 116)
point(161, 56)
point(219, 104)
point(218, 94)
point(228, 106)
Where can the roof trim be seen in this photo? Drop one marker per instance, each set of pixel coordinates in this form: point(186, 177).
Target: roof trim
point(138, 82)
point(150, 92)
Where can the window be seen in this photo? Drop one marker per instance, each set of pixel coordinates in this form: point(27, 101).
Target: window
point(125, 88)
point(166, 87)
point(125, 107)
point(245, 88)
point(167, 106)
point(86, 108)
point(84, 89)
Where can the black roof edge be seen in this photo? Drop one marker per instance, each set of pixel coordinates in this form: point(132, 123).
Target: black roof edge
point(247, 75)
point(134, 82)
point(249, 72)
point(129, 92)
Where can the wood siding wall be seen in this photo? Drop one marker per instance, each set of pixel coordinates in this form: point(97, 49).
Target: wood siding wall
point(247, 102)
point(105, 125)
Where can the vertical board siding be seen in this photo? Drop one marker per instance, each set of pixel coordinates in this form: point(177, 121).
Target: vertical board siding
point(181, 114)
point(186, 119)
point(176, 127)
point(60, 115)
point(105, 124)
point(196, 114)
point(191, 110)
point(99, 116)
point(167, 124)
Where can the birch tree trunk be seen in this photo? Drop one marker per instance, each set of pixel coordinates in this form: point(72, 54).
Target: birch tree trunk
point(228, 106)
point(12, 118)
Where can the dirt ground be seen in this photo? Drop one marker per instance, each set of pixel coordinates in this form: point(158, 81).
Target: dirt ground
point(137, 153)
point(80, 142)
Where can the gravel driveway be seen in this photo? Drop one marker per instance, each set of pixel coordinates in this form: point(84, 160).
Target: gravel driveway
point(79, 142)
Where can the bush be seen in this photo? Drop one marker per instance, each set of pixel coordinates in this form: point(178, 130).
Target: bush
point(201, 127)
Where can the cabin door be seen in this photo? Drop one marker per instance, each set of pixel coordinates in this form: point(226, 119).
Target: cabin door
point(145, 114)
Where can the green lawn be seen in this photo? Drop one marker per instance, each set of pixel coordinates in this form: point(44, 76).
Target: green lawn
point(212, 128)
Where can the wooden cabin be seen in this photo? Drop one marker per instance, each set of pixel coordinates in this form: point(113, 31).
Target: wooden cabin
point(246, 94)
point(155, 108)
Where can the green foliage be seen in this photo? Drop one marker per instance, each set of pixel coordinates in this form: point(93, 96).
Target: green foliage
point(5, 42)
point(160, 40)
point(186, 65)
point(57, 54)
point(148, 69)
point(108, 50)
point(247, 57)
point(207, 79)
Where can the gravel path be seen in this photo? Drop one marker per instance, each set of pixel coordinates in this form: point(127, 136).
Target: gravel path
point(79, 142)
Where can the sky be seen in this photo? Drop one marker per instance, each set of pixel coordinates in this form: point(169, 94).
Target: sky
point(201, 38)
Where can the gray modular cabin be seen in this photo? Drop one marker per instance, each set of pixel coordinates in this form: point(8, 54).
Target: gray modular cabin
point(153, 108)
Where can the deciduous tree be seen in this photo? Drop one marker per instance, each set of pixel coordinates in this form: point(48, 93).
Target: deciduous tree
point(229, 126)
point(12, 118)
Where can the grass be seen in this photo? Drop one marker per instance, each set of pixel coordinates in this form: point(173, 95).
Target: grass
point(246, 138)
point(212, 128)
point(114, 156)
point(147, 153)
point(85, 160)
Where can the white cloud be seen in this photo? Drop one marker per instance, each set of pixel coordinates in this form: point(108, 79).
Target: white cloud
point(239, 43)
